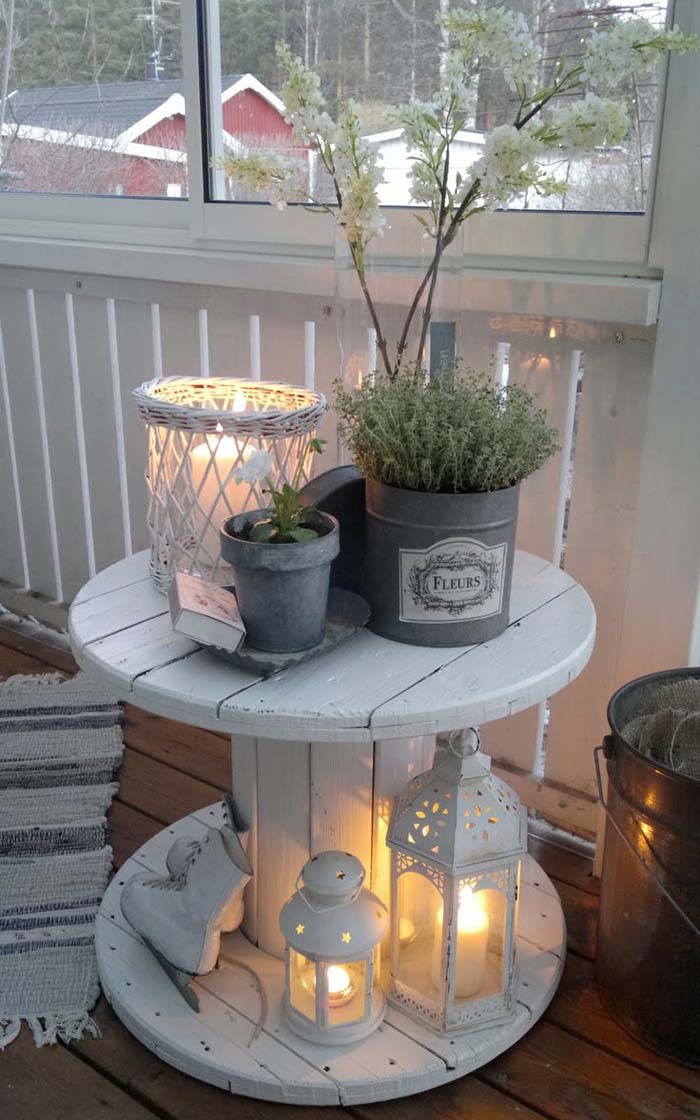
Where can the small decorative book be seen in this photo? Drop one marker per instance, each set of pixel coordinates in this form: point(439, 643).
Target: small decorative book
point(205, 612)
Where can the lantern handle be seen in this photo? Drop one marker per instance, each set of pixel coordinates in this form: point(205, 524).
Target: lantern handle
point(456, 742)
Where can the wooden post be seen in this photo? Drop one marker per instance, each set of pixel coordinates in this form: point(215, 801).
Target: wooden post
point(303, 798)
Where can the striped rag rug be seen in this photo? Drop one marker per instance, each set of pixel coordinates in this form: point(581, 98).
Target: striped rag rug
point(60, 747)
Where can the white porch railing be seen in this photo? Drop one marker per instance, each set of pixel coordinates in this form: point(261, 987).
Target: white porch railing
point(72, 456)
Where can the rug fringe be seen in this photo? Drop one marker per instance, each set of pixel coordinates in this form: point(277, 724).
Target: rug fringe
point(49, 1029)
point(9, 1029)
point(19, 680)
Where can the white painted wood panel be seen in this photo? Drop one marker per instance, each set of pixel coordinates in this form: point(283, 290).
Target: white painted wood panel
point(546, 367)
point(14, 560)
point(283, 832)
point(100, 426)
point(22, 393)
point(244, 785)
point(396, 761)
point(599, 542)
point(340, 799)
point(473, 690)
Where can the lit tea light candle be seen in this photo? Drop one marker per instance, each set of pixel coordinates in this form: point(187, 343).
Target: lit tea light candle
point(472, 943)
point(340, 986)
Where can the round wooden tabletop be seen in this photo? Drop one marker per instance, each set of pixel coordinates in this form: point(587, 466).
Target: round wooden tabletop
point(366, 689)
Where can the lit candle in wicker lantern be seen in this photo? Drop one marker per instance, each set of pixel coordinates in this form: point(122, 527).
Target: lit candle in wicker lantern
point(202, 433)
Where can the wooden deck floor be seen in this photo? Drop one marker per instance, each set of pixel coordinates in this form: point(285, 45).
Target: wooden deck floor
point(576, 1064)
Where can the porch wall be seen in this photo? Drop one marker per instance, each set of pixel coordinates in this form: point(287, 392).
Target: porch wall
point(73, 498)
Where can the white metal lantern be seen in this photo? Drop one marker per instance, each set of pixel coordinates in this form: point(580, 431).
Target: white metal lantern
point(457, 835)
point(332, 927)
point(202, 432)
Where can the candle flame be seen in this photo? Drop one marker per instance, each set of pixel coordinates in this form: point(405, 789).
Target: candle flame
point(552, 332)
point(239, 401)
point(339, 982)
point(219, 427)
point(471, 916)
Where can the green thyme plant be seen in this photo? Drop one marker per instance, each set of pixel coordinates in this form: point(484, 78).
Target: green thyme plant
point(455, 434)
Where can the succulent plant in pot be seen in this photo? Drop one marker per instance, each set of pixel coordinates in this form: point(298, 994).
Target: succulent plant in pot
point(281, 559)
point(443, 459)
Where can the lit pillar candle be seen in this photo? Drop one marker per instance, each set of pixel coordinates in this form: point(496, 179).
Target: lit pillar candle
point(407, 931)
point(228, 455)
point(470, 943)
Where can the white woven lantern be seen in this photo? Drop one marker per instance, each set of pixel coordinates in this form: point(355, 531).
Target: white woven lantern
point(457, 835)
point(332, 928)
point(201, 434)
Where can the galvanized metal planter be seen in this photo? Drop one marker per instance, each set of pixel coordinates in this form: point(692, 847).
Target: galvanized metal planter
point(648, 959)
point(439, 566)
point(282, 589)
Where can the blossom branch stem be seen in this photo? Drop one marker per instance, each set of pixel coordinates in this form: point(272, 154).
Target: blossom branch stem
point(428, 309)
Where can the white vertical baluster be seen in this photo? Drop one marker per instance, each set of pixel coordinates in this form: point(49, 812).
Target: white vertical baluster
point(203, 324)
point(567, 433)
point(156, 340)
point(44, 433)
point(119, 422)
point(371, 354)
point(502, 371)
point(310, 355)
point(13, 463)
point(80, 432)
point(254, 334)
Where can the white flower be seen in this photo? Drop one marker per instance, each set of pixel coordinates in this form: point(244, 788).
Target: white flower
point(254, 469)
point(509, 166)
point(359, 176)
point(305, 105)
point(501, 37)
point(592, 122)
point(279, 176)
point(630, 49)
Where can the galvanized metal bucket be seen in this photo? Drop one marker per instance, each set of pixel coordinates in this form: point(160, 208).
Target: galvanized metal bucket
point(648, 960)
point(439, 566)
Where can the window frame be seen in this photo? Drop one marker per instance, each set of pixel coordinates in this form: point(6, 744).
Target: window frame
point(303, 244)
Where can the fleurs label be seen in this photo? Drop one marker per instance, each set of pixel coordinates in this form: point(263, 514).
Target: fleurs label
point(455, 579)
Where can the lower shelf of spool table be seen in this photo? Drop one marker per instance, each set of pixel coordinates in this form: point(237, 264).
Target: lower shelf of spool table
point(219, 1045)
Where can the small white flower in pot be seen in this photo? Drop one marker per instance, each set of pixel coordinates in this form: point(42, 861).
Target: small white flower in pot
point(281, 559)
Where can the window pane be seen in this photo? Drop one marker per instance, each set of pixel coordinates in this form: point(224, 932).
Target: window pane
point(95, 99)
point(384, 53)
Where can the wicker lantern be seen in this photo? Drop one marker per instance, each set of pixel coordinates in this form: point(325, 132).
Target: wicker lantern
point(332, 928)
point(457, 835)
point(201, 434)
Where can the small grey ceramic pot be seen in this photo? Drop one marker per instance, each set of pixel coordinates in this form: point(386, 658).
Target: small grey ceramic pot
point(439, 566)
point(282, 589)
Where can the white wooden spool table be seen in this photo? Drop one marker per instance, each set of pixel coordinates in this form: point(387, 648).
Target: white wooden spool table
point(319, 752)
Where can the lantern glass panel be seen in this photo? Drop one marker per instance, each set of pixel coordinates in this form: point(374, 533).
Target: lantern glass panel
point(419, 904)
point(481, 930)
point(347, 985)
point(302, 985)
